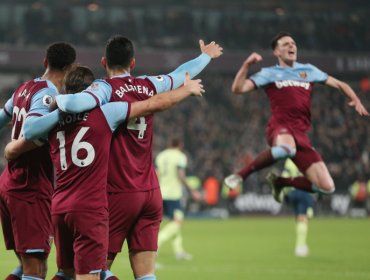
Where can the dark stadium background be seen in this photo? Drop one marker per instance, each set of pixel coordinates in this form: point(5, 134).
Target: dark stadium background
point(219, 130)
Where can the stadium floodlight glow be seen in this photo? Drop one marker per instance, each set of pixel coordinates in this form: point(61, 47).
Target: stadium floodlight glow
point(280, 12)
point(93, 7)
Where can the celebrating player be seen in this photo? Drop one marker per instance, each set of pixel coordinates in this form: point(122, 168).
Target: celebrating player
point(26, 185)
point(288, 86)
point(135, 204)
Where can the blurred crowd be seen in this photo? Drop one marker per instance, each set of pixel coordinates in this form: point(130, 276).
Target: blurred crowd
point(315, 25)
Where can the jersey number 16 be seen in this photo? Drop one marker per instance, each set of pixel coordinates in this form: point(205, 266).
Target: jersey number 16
point(76, 146)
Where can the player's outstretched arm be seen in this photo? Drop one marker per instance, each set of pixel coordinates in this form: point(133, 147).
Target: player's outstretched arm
point(196, 65)
point(17, 147)
point(349, 92)
point(161, 102)
point(241, 84)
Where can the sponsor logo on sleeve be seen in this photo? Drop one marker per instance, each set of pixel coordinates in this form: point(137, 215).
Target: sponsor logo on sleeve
point(93, 87)
point(47, 100)
point(159, 78)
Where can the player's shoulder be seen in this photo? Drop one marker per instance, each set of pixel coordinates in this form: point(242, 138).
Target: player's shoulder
point(269, 70)
point(304, 66)
point(43, 87)
point(98, 85)
point(98, 82)
point(181, 155)
point(151, 80)
point(159, 78)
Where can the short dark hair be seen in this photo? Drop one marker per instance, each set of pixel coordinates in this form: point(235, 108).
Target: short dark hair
point(78, 79)
point(119, 52)
point(278, 36)
point(175, 142)
point(60, 56)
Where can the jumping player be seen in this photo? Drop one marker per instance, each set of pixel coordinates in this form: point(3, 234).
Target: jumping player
point(288, 87)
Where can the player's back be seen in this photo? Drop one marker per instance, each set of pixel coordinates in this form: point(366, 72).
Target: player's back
point(31, 175)
point(131, 166)
point(80, 151)
point(168, 162)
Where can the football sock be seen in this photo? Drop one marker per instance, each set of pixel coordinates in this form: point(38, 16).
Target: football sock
point(299, 182)
point(107, 274)
point(264, 159)
point(301, 233)
point(267, 158)
point(16, 274)
point(61, 276)
point(147, 277)
point(318, 190)
point(26, 277)
point(177, 243)
point(168, 232)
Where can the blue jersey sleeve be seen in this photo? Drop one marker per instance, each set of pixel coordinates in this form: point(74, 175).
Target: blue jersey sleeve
point(176, 78)
point(39, 106)
point(261, 78)
point(97, 94)
point(8, 107)
point(116, 113)
point(316, 75)
point(6, 113)
point(38, 127)
point(161, 83)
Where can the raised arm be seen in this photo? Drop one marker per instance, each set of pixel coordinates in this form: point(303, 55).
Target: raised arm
point(241, 84)
point(349, 92)
point(195, 66)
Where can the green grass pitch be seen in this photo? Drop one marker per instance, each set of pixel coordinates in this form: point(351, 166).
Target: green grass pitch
point(256, 248)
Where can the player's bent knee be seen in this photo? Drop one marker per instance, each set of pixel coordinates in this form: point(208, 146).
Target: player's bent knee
point(283, 151)
point(326, 188)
